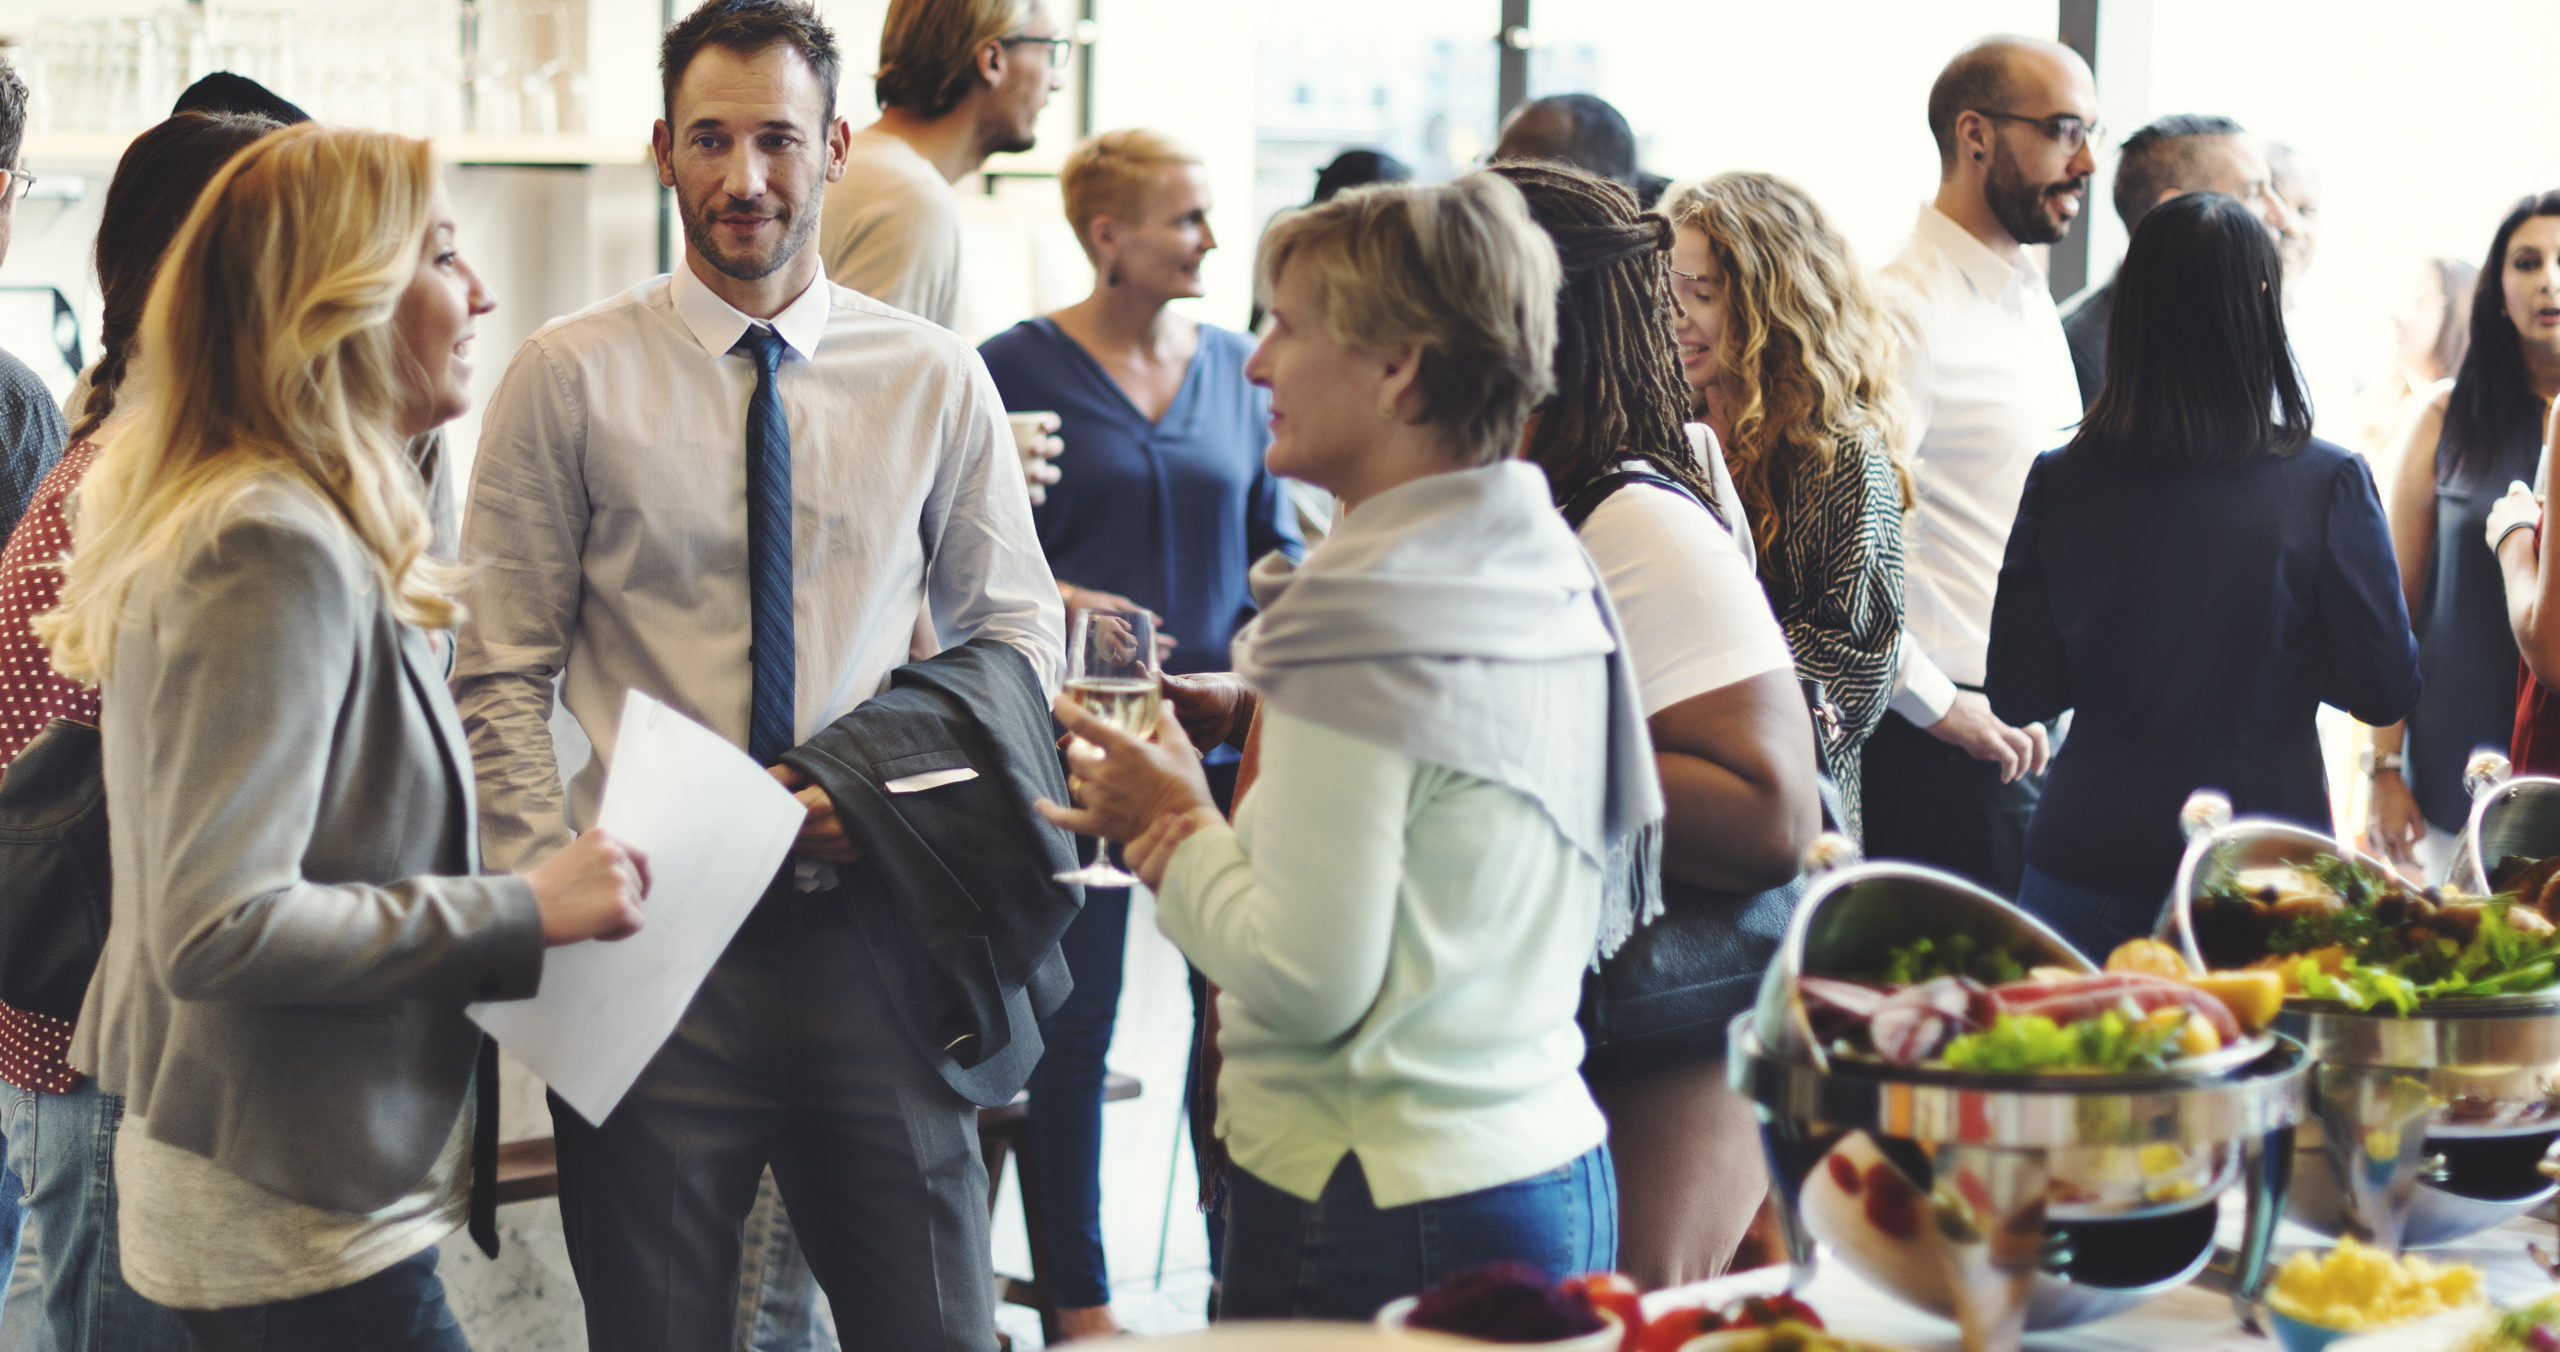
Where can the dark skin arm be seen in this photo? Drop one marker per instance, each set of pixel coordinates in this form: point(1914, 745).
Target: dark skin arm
point(1739, 785)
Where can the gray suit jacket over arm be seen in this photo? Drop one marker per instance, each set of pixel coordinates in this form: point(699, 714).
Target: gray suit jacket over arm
point(295, 930)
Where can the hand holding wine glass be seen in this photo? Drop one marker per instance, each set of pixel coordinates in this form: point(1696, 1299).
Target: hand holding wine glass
point(1113, 703)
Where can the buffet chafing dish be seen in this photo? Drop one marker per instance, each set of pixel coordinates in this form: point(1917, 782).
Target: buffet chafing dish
point(2422, 1129)
point(2509, 816)
point(2008, 1203)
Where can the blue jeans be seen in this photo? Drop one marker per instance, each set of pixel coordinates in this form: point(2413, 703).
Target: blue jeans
point(63, 1146)
point(777, 1293)
point(399, 1309)
point(1065, 1125)
point(1342, 1256)
point(2091, 919)
point(13, 1216)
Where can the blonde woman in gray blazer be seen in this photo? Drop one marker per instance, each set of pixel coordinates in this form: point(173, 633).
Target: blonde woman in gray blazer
point(296, 924)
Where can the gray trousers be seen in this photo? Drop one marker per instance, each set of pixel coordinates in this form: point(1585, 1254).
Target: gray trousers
point(787, 1056)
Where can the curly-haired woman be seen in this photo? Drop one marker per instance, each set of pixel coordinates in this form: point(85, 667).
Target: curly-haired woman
point(1791, 361)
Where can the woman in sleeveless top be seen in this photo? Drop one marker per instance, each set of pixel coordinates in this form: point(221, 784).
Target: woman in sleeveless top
point(2473, 438)
point(1732, 739)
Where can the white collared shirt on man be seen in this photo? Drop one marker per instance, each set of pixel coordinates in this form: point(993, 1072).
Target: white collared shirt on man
point(606, 529)
point(1989, 377)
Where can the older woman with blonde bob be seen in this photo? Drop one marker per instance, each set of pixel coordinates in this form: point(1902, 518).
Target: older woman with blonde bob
point(1167, 507)
point(1455, 809)
point(295, 924)
point(1792, 362)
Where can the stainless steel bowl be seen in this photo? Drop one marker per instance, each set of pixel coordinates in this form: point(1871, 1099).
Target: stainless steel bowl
point(1854, 915)
point(2001, 1202)
point(2509, 816)
point(2423, 1129)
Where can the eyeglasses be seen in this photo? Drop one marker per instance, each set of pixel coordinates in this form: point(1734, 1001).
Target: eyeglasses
point(1058, 47)
point(2071, 132)
point(19, 184)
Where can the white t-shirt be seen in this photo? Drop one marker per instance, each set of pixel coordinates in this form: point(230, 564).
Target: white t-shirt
point(1695, 618)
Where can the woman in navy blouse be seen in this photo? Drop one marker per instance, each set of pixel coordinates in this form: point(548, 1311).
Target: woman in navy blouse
point(2195, 576)
point(1163, 502)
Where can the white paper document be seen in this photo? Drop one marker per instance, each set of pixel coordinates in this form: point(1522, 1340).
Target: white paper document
point(715, 826)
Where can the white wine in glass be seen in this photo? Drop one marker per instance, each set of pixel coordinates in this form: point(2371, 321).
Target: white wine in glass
point(1111, 672)
point(1129, 705)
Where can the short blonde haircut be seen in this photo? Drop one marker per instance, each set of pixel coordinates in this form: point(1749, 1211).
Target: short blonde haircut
point(1459, 273)
point(1115, 174)
point(265, 351)
point(929, 50)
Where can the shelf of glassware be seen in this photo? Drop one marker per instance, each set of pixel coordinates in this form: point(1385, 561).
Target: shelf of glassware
point(73, 148)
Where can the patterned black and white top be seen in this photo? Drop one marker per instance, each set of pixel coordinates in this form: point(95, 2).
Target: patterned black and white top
point(1834, 575)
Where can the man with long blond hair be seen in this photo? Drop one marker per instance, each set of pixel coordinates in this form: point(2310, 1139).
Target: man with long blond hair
point(959, 80)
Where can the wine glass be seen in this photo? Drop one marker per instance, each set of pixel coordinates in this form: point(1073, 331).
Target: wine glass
point(1111, 673)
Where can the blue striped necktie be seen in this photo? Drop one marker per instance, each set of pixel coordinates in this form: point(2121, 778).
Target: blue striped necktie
point(771, 725)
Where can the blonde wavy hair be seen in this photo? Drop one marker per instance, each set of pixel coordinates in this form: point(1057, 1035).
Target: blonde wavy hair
point(1806, 341)
point(265, 351)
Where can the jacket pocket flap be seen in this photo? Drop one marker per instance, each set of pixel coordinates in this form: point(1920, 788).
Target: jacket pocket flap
point(930, 779)
point(921, 762)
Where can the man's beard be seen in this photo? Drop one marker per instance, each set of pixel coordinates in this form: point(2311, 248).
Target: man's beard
point(1012, 140)
point(2020, 206)
point(701, 232)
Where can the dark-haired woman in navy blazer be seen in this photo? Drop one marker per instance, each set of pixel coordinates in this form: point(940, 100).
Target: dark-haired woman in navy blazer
point(2194, 576)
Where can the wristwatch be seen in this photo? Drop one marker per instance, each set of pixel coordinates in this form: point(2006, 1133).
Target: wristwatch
point(2376, 762)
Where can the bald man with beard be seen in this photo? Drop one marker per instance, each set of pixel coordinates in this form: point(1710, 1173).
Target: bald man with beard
point(1991, 387)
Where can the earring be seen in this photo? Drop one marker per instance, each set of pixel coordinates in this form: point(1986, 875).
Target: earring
point(1114, 278)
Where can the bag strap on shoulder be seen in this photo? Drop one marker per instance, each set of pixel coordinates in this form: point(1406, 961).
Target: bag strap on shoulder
point(1587, 499)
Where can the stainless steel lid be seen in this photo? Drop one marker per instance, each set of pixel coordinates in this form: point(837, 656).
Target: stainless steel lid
point(2510, 816)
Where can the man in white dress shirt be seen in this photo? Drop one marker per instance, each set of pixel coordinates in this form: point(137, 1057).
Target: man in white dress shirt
point(1991, 387)
point(669, 482)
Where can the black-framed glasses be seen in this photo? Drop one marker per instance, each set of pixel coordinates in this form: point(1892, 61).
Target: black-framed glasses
point(1058, 47)
point(20, 183)
point(2071, 132)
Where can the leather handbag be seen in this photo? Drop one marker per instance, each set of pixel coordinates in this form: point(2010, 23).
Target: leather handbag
point(54, 881)
point(1665, 997)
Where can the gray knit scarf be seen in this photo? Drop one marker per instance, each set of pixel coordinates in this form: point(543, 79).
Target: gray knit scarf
point(1455, 619)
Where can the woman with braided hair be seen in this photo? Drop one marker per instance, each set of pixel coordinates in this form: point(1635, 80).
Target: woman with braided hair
point(1792, 364)
point(1733, 743)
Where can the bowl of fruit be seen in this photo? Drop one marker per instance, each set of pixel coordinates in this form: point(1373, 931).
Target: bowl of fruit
point(2319, 1298)
point(1513, 1305)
